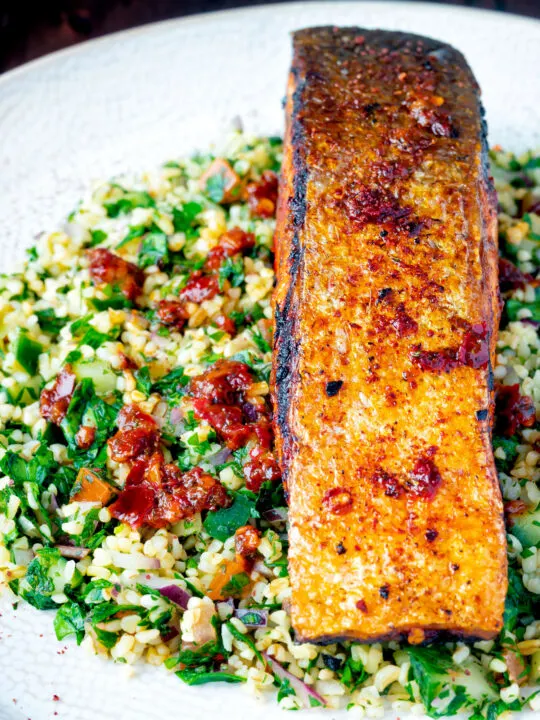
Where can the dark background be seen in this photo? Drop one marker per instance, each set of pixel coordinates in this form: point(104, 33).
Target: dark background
point(30, 28)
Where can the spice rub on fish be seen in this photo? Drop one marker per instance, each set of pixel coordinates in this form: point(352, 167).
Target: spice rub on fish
point(386, 317)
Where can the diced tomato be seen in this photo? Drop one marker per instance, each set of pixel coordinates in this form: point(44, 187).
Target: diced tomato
point(262, 195)
point(131, 417)
point(261, 467)
point(246, 541)
point(85, 436)
point(511, 277)
point(222, 382)
point(226, 420)
point(226, 324)
point(54, 401)
point(513, 410)
point(200, 288)
point(158, 494)
point(230, 243)
point(106, 268)
point(137, 435)
point(172, 313)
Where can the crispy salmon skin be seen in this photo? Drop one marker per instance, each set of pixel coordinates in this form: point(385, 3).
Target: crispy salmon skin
point(386, 312)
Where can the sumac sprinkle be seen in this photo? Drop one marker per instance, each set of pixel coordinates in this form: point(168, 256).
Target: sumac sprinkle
point(383, 294)
point(338, 501)
point(390, 483)
point(513, 410)
point(106, 268)
point(403, 323)
point(431, 535)
point(54, 401)
point(424, 479)
point(372, 205)
point(361, 605)
point(474, 351)
point(333, 387)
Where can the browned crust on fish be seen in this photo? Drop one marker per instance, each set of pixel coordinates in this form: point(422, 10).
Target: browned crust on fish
point(386, 312)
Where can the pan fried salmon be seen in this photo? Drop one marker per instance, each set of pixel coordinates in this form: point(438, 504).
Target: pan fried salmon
point(387, 311)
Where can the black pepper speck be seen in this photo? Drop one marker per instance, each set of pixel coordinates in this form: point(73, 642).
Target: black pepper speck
point(333, 387)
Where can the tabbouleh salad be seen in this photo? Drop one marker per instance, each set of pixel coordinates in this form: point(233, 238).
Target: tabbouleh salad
point(139, 497)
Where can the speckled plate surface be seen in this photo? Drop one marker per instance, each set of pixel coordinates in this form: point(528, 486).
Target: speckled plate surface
point(130, 101)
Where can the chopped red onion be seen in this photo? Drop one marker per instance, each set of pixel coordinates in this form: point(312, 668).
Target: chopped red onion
point(176, 594)
point(176, 416)
point(303, 691)
point(73, 552)
point(261, 568)
point(252, 617)
point(275, 515)
point(220, 457)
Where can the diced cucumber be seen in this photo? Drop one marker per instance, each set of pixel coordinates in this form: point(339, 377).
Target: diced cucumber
point(100, 372)
point(534, 675)
point(26, 351)
point(526, 528)
point(25, 394)
point(475, 681)
point(45, 577)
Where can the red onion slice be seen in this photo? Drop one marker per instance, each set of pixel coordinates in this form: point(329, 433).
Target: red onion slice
point(73, 552)
point(176, 594)
point(275, 515)
point(304, 692)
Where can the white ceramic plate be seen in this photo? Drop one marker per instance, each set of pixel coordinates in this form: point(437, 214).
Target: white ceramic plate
point(132, 100)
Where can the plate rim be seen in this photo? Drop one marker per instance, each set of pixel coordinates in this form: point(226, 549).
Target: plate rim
point(27, 68)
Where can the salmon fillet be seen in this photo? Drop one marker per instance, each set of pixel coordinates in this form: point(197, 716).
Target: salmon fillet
point(386, 311)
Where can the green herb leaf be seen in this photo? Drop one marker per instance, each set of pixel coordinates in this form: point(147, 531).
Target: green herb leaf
point(244, 638)
point(26, 351)
point(69, 620)
point(129, 201)
point(97, 237)
point(49, 322)
point(134, 232)
point(222, 524)
point(231, 270)
point(201, 677)
point(184, 217)
point(154, 250)
point(142, 380)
